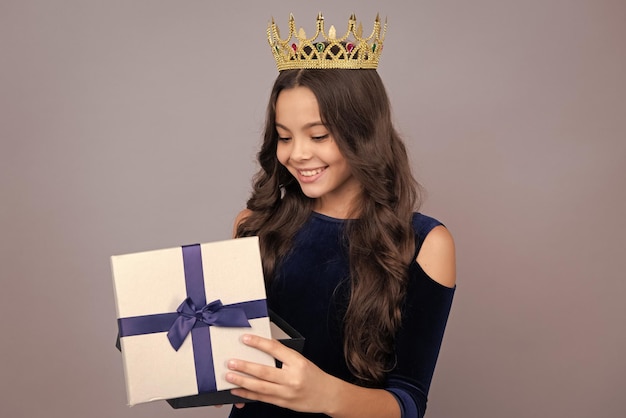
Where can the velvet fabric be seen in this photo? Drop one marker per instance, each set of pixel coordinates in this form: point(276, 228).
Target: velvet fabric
point(310, 291)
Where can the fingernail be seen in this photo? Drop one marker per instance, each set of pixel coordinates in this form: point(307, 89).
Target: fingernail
point(246, 338)
point(232, 364)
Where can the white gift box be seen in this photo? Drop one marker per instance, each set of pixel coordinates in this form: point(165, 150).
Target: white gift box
point(203, 286)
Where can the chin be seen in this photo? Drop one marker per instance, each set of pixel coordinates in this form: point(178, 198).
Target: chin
point(311, 194)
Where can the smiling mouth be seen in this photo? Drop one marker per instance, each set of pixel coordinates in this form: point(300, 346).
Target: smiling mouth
point(311, 173)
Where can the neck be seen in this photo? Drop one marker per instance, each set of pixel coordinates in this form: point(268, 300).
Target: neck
point(339, 210)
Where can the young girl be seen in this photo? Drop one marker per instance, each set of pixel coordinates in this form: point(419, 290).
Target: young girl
point(349, 264)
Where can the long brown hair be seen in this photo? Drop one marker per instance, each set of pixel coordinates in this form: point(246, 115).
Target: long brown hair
point(355, 108)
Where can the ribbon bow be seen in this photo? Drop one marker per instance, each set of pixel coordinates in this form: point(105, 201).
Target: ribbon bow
point(214, 313)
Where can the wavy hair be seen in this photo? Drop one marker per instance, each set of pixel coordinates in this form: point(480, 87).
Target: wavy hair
point(355, 108)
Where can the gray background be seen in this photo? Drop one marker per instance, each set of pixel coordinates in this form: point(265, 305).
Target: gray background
point(133, 125)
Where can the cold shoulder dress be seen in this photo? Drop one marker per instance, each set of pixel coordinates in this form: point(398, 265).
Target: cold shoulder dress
point(310, 291)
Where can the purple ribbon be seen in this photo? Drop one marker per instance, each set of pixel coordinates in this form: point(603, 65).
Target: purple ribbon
point(212, 314)
point(188, 318)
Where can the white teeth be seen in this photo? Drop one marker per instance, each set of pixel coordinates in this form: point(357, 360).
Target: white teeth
point(309, 173)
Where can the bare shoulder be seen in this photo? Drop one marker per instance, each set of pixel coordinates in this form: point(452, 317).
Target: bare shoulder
point(241, 216)
point(437, 256)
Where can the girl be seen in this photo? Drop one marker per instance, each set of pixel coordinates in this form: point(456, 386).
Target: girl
point(349, 264)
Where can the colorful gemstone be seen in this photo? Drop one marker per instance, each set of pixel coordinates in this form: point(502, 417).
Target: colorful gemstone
point(350, 46)
point(373, 47)
point(320, 47)
point(294, 47)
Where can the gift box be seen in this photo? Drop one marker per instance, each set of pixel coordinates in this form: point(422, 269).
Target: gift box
point(280, 330)
point(181, 314)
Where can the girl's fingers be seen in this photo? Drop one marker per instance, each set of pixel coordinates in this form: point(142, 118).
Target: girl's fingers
point(259, 371)
point(271, 347)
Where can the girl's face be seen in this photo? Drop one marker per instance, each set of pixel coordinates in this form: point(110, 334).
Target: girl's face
point(308, 150)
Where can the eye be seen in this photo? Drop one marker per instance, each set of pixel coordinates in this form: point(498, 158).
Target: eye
point(320, 137)
point(284, 139)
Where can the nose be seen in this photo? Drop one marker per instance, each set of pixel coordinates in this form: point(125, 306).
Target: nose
point(301, 149)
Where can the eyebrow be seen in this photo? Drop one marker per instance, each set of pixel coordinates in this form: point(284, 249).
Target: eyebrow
point(307, 126)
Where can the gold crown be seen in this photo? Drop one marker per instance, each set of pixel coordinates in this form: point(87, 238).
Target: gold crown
point(351, 51)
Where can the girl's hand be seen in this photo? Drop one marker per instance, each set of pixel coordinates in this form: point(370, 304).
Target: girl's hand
point(299, 385)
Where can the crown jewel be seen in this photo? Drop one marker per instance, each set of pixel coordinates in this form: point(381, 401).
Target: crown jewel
point(324, 50)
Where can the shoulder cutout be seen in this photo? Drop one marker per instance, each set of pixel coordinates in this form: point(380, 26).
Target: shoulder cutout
point(239, 219)
point(437, 256)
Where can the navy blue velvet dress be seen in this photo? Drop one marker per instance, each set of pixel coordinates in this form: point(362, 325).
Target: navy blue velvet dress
point(310, 291)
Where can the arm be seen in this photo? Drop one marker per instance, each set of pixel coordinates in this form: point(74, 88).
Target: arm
point(241, 216)
point(437, 256)
point(427, 305)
